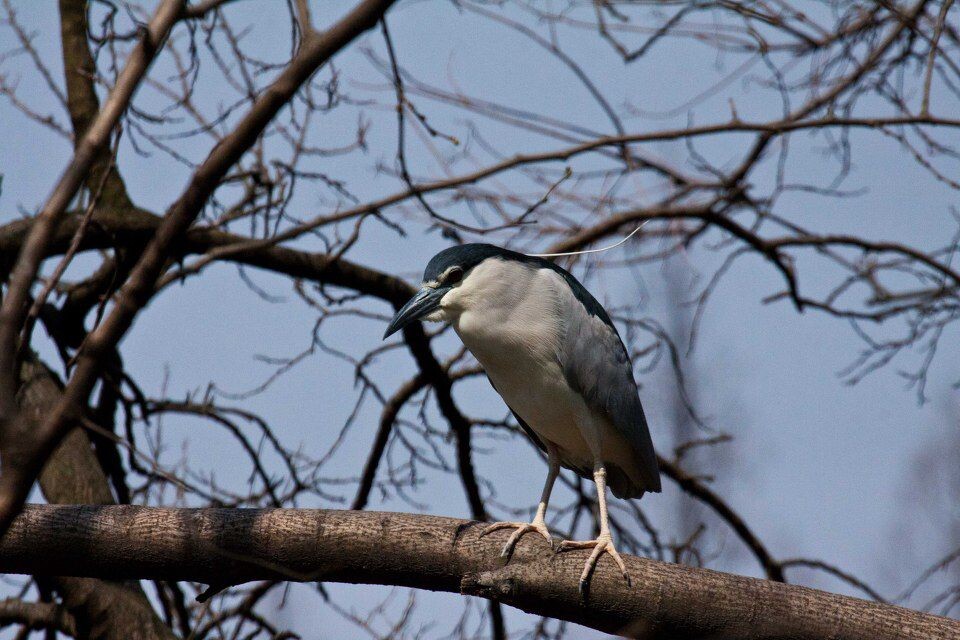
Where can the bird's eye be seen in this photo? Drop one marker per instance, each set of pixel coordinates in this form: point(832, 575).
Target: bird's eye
point(453, 276)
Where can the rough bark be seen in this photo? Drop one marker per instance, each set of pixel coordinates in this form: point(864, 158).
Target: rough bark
point(102, 609)
point(429, 552)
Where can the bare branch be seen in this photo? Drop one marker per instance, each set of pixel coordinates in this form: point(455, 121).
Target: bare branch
point(232, 546)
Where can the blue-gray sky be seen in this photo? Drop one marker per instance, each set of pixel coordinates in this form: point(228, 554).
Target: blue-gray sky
point(818, 468)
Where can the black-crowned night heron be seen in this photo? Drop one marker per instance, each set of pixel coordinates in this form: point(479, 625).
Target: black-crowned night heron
point(553, 354)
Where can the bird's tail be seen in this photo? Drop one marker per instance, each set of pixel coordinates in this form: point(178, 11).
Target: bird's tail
point(623, 485)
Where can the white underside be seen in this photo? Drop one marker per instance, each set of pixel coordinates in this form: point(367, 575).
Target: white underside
point(515, 331)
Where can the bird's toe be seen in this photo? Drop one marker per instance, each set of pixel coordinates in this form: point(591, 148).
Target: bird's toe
point(522, 528)
point(566, 545)
point(507, 550)
point(546, 535)
point(497, 526)
point(603, 544)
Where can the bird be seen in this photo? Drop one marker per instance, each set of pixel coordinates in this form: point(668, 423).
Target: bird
point(553, 354)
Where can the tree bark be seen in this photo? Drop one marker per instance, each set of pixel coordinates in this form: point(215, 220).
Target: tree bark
point(230, 546)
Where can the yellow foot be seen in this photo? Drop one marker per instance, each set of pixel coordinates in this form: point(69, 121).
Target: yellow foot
point(603, 544)
point(521, 528)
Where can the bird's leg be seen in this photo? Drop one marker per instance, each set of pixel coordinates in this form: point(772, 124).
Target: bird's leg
point(539, 523)
point(604, 542)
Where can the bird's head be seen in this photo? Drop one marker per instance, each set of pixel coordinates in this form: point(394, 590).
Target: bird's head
point(449, 285)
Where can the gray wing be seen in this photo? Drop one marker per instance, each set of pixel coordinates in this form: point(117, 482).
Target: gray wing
point(596, 364)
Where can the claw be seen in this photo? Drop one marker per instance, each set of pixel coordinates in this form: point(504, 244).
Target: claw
point(521, 529)
point(603, 544)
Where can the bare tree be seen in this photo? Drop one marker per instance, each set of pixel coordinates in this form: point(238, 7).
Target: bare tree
point(276, 139)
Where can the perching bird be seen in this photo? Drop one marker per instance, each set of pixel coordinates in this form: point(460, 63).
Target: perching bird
point(553, 354)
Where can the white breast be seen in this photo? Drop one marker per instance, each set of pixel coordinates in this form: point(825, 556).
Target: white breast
point(510, 316)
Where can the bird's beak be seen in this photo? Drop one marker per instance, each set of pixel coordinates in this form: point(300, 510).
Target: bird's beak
point(426, 301)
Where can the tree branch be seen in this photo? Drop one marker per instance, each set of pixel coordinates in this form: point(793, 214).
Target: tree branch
point(446, 554)
point(80, 75)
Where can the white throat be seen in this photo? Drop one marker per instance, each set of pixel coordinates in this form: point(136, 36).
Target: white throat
point(504, 305)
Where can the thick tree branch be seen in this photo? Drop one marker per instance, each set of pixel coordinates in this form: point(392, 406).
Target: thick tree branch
point(429, 552)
